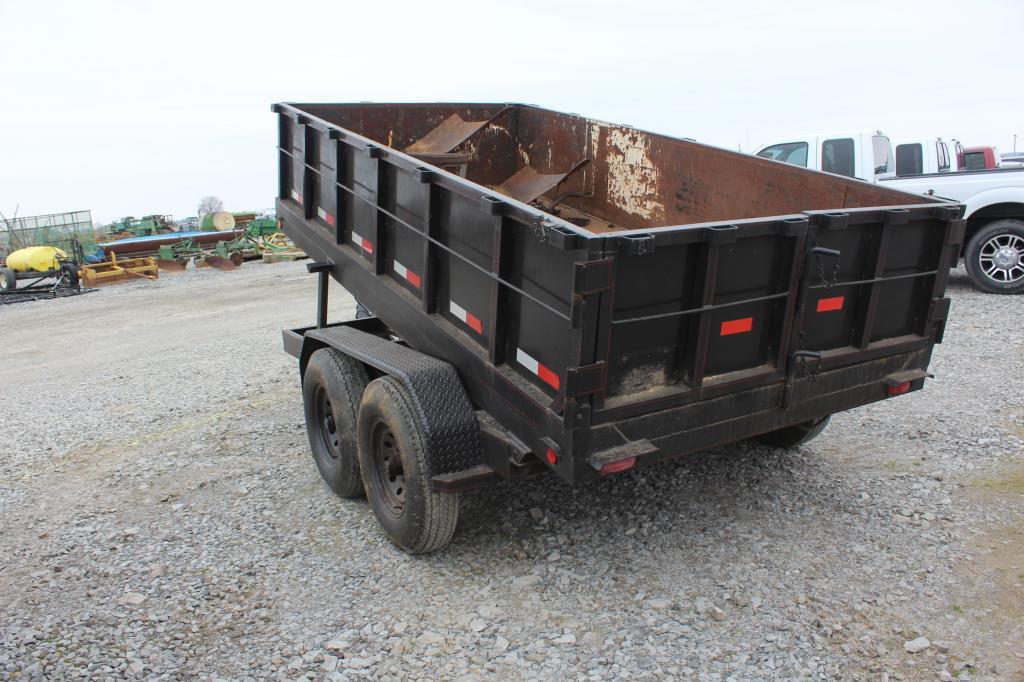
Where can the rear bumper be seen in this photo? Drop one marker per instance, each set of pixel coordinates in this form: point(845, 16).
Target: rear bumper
point(738, 416)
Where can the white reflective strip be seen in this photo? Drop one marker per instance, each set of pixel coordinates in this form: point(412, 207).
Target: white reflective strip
point(458, 311)
point(400, 269)
point(322, 213)
point(356, 239)
point(528, 362)
point(295, 195)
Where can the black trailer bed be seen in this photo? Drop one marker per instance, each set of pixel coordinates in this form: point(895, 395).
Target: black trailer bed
point(606, 293)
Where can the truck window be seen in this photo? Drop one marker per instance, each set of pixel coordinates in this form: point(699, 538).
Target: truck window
point(787, 152)
point(943, 155)
point(974, 161)
point(909, 159)
point(837, 156)
point(883, 153)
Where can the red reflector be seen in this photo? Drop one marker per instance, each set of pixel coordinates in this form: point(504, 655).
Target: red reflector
point(474, 323)
point(898, 389)
point(826, 305)
point(740, 326)
point(413, 278)
point(548, 377)
point(552, 457)
point(618, 465)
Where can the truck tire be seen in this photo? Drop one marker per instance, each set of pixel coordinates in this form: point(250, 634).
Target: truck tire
point(8, 279)
point(995, 257)
point(798, 434)
point(331, 389)
point(71, 275)
point(396, 470)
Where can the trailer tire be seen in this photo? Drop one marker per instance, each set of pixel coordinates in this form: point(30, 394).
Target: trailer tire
point(798, 434)
point(332, 385)
point(71, 274)
point(8, 279)
point(395, 464)
point(997, 249)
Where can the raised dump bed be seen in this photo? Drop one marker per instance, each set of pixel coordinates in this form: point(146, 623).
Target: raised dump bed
point(556, 292)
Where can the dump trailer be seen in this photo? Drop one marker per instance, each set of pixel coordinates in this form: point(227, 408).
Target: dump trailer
point(553, 292)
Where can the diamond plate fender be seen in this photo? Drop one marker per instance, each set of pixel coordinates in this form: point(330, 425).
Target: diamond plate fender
point(450, 425)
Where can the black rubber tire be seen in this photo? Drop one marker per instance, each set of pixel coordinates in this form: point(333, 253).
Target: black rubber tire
point(415, 518)
point(8, 279)
point(972, 256)
point(71, 273)
point(331, 389)
point(798, 434)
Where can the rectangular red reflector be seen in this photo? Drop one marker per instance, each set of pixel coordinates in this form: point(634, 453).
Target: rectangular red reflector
point(548, 377)
point(898, 389)
point(531, 363)
point(740, 326)
point(474, 323)
point(826, 305)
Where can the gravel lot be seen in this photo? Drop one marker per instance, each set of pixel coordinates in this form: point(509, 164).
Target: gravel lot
point(162, 517)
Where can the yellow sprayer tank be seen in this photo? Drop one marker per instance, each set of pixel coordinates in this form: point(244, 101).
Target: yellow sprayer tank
point(35, 259)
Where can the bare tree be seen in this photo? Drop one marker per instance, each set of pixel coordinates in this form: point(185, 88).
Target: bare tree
point(210, 204)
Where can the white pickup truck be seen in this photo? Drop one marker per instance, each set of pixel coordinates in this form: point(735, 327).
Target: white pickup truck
point(918, 156)
point(994, 242)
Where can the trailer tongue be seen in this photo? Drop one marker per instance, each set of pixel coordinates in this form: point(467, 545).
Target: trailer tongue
point(555, 292)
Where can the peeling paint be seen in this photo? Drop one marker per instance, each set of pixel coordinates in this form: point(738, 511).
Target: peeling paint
point(633, 179)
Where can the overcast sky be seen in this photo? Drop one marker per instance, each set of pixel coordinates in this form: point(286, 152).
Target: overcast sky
point(132, 108)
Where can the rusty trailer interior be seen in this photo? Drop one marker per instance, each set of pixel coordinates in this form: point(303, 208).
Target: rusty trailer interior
point(608, 294)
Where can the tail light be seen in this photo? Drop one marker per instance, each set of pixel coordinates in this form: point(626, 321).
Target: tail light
point(618, 466)
point(898, 389)
point(551, 456)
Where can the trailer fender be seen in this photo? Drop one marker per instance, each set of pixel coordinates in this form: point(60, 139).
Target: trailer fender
point(453, 433)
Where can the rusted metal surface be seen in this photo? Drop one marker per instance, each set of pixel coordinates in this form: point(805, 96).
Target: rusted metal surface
point(452, 132)
point(636, 180)
point(527, 185)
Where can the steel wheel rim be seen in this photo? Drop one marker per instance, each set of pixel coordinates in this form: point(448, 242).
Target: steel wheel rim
point(1001, 258)
point(388, 469)
point(329, 436)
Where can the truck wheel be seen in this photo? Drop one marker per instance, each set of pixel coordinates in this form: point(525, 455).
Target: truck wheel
point(396, 469)
point(331, 389)
point(8, 279)
point(798, 434)
point(995, 257)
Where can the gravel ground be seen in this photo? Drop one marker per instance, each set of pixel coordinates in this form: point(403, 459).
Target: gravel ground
point(162, 518)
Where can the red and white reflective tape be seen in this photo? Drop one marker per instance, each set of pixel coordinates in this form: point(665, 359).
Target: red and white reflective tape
point(325, 216)
point(467, 318)
point(530, 363)
point(740, 326)
point(296, 196)
point(826, 305)
point(407, 274)
point(362, 243)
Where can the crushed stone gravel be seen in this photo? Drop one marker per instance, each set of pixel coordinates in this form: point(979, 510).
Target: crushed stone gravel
point(162, 519)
